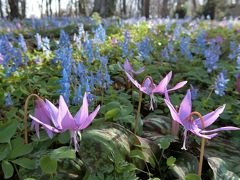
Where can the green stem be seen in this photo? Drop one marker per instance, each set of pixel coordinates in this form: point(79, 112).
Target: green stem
point(138, 112)
point(202, 142)
point(25, 116)
point(102, 96)
point(209, 94)
point(16, 169)
point(201, 157)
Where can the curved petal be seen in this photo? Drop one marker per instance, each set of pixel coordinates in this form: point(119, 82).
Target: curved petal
point(162, 86)
point(135, 82)
point(178, 86)
point(90, 118)
point(210, 117)
point(127, 66)
point(53, 112)
point(198, 132)
point(173, 112)
point(140, 70)
point(185, 107)
point(227, 128)
point(45, 125)
point(82, 114)
point(65, 118)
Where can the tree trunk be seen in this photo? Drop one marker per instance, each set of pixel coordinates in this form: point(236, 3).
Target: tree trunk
point(14, 9)
point(59, 7)
point(1, 11)
point(47, 8)
point(23, 8)
point(81, 7)
point(105, 8)
point(124, 8)
point(50, 7)
point(146, 6)
point(164, 8)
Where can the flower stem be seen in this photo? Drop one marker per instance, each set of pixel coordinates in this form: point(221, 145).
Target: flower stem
point(202, 144)
point(138, 112)
point(25, 116)
point(102, 95)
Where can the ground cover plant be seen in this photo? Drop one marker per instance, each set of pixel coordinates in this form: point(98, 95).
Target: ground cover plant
point(94, 98)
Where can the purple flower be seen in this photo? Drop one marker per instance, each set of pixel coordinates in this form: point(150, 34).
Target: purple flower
point(1, 58)
point(148, 87)
point(129, 69)
point(182, 116)
point(61, 119)
point(41, 113)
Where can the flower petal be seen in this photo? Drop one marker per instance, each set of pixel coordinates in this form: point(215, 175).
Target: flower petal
point(45, 125)
point(162, 86)
point(65, 118)
point(127, 66)
point(41, 112)
point(82, 114)
point(173, 112)
point(178, 86)
point(227, 128)
point(90, 118)
point(53, 112)
point(210, 117)
point(135, 82)
point(185, 107)
point(140, 70)
point(198, 132)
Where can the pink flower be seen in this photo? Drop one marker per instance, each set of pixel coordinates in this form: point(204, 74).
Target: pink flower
point(148, 87)
point(59, 119)
point(195, 126)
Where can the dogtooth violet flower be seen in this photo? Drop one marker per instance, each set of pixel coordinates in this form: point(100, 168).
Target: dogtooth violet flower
point(182, 116)
point(149, 87)
point(129, 69)
point(59, 120)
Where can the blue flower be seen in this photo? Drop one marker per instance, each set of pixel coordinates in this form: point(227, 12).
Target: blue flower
point(125, 44)
point(144, 48)
point(220, 83)
point(39, 41)
point(194, 92)
point(185, 49)
point(212, 56)
point(22, 43)
point(8, 100)
point(100, 35)
point(46, 46)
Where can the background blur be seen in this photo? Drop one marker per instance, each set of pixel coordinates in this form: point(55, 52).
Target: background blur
point(217, 9)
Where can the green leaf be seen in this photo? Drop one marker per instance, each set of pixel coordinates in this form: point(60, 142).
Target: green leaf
point(25, 162)
point(19, 148)
point(112, 113)
point(48, 165)
point(64, 138)
point(137, 154)
point(4, 149)
point(220, 169)
point(7, 131)
point(62, 153)
point(7, 169)
point(165, 141)
point(185, 163)
point(192, 176)
point(170, 161)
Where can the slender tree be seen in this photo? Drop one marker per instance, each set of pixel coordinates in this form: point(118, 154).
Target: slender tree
point(1, 10)
point(14, 9)
point(23, 8)
point(164, 11)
